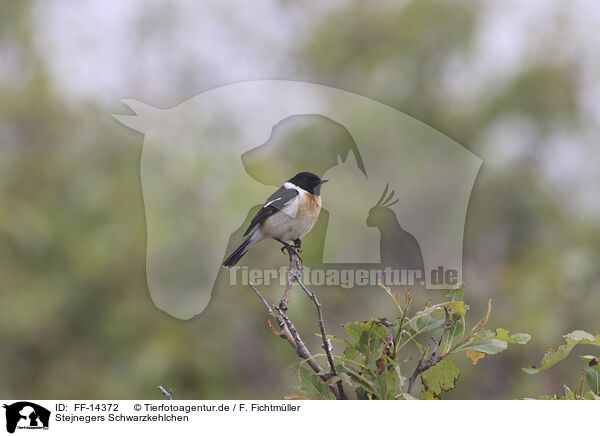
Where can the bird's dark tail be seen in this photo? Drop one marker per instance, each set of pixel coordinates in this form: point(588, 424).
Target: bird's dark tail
point(238, 254)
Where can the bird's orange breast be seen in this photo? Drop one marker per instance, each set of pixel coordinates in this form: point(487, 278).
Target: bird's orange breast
point(309, 206)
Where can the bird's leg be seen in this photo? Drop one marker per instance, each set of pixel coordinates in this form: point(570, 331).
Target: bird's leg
point(291, 249)
point(286, 247)
point(298, 245)
point(297, 248)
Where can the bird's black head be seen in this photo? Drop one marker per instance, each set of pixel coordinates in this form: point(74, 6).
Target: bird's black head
point(309, 182)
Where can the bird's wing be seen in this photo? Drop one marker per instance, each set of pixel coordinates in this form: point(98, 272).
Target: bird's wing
point(280, 199)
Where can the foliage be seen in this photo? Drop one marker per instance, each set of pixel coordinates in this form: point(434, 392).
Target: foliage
point(374, 360)
point(590, 374)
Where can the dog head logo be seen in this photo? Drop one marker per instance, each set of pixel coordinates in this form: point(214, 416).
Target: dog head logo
point(206, 160)
point(27, 415)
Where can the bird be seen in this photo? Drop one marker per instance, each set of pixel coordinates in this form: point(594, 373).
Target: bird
point(287, 215)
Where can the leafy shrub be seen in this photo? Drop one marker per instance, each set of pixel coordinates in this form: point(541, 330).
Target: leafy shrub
point(373, 362)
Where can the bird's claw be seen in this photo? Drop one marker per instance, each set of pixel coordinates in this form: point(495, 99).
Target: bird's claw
point(291, 250)
point(297, 245)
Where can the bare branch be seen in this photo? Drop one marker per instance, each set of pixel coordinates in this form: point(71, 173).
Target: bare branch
point(168, 394)
point(326, 341)
point(290, 333)
point(265, 302)
point(285, 332)
point(288, 286)
point(300, 346)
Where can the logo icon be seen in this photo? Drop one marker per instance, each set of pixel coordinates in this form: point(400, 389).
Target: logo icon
point(26, 415)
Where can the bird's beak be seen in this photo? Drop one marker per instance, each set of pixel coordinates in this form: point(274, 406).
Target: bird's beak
point(324, 180)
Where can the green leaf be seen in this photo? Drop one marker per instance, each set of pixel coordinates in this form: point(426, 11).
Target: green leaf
point(345, 377)
point(401, 379)
point(428, 394)
point(386, 384)
point(425, 324)
point(440, 377)
point(569, 395)
point(583, 337)
point(520, 338)
point(350, 352)
point(354, 330)
point(369, 336)
point(503, 335)
point(516, 338)
point(311, 384)
point(487, 346)
point(589, 395)
point(366, 385)
point(592, 361)
point(555, 354)
point(592, 378)
point(458, 307)
point(458, 293)
point(486, 334)
point(457, 330)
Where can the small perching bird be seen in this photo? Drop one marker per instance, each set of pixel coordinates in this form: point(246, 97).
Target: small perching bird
point(287, 215)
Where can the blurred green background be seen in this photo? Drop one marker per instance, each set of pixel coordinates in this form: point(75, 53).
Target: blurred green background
point(517, 83)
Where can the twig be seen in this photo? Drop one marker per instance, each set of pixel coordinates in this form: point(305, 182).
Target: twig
point(300, 345)
point(401, 325)
point(285, 332)
point(424, 364)
point(168, 394)
point(326, 341)
point(288, 285)
point(418, 370)
point(265, 302)
point(387, 345)
point(290, 333)
point(581, 386)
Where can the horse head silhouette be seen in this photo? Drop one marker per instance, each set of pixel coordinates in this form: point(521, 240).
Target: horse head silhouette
point(196, 187)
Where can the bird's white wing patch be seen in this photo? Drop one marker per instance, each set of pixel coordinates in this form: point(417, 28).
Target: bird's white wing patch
point(272, 201)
